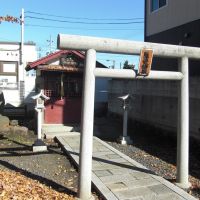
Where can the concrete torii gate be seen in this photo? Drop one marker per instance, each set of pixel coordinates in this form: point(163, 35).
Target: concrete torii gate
point(105, 45)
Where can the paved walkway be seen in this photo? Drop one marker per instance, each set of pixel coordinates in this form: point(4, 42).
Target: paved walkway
point(118, 177)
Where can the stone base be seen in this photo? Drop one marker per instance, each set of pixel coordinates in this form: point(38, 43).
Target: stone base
point(125, 140)
point(39, 146)
point(184, 185)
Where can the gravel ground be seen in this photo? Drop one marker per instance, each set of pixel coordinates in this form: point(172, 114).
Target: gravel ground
point(51, 168)
point(153, 148)
point(159, 166)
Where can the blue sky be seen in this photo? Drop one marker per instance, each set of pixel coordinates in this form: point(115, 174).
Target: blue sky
point(113, 13)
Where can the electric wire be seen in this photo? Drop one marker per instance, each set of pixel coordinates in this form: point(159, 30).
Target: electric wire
point(85, 18)
point(81, 28)
point(82, 22)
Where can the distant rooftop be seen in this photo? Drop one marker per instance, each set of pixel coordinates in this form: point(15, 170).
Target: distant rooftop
point(17, 43)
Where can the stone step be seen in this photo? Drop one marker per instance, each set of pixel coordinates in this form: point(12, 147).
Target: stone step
point(56, 128)
point(52, 135)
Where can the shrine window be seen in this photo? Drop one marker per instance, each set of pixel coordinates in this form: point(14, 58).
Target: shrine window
point(63, 85)
point(72, 87)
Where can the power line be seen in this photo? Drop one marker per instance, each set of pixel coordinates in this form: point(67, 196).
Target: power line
point(82, 22)
point(85, 18)
point(83, 28)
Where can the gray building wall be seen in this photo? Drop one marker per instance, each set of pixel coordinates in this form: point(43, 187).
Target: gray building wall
point(186, 35)
point(101, 96)
point(155, 102)
point(175, 13)
point(176, 23)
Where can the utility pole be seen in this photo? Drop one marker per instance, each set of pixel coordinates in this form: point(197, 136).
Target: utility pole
point(50, 42)
point(12, 19)
point(22, 37)
point(113, 66)
point(22, 43)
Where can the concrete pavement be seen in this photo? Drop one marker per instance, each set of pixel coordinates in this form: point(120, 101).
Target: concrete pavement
point(118, 177)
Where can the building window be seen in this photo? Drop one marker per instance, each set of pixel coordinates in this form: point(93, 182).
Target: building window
point(156, 4)
point(62, 85)
point(72, 87)
point(8, 75)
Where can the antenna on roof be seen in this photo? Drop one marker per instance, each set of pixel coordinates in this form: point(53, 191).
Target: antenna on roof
point(50, 42)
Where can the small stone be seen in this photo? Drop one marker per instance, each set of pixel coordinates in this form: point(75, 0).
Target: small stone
point(5, 129)
point(4, 121)
point(61, 189)
point(19, 130)
point(14, 123)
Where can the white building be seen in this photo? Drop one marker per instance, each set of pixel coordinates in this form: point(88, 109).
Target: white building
point(17, 86)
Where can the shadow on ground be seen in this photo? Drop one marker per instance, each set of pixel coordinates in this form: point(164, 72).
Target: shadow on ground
point(51, 168)
point(156, 142)
point(41, 179)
